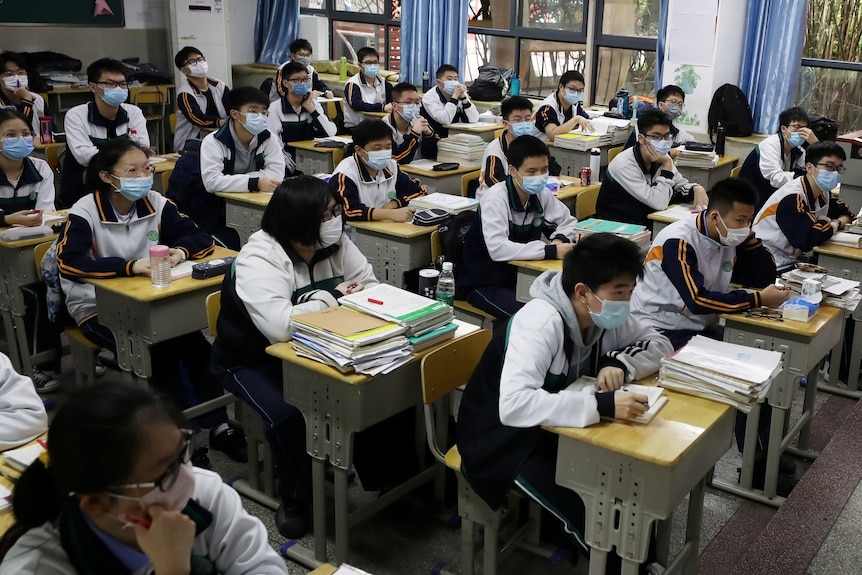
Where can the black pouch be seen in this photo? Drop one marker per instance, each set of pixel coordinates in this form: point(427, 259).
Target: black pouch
point(431, 217)
point(212, 268)
point(446, 166)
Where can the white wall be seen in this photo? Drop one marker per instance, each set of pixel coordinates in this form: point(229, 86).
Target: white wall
point(241, 15)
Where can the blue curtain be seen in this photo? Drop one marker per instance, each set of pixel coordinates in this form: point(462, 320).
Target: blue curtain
point(775, 32)
point(275, 27)
point(661, 43)
point(433, 33)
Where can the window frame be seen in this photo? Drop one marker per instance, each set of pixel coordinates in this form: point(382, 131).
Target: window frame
point(332, 15)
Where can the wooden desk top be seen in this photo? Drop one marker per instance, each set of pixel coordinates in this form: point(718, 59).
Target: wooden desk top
point(26, 243)
point(8, 519)
point(462, 169)
point(684, 210)
point(665, 440)
point(722, 162)
point(481, 129)
point(309, 145)
point(37, 143)
point(539, 265)
point(600, 146)
point(324, 570)
point(573, 188)
point(840, 251)
point(396, 229)
point(752, 139)
point(805, 328)
point(170, 162)
point(253, 198)
point(375, 114)
point(140, 288)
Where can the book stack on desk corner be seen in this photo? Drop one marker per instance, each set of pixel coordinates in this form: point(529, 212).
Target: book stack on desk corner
point(461, 148)
point(640, 235)
point(734, 374)
point(837, 292)
point(694, 159)
point(449, 202)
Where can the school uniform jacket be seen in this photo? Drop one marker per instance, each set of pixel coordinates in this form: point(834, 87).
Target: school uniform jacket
point(228, 540)
point(360, 96)
point(520, 383)
point(22, 413)
point(687, 277)
point(506, 230)
point(292, 125)
point(33, 191)
point(632, 190)
point(31, 109)
point(411, 146)
point(268, 284)
point(218, 156)
point(96, 244)
point(789, 222)
point(551, 112)
point(769, 168)
point(439, 111)
point(361, 193)
point(495, 164)
point(277, 90)
point(192, 107)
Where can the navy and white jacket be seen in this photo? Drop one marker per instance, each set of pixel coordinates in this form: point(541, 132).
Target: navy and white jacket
point(551, 112)
point(296, 125)
point(31, 109)
point(360, 96)
point(361, 193)
point(277, 90)
point(34, 189)
point(769, 168)
point(440, 111)
point(226, 166)
point(410, 146)
point(192, 106)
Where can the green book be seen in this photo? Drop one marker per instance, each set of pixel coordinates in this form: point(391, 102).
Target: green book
point(595, 225)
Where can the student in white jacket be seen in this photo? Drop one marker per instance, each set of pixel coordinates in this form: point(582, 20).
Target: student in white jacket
point(116, 493)
point(22, 414)
point(448, 103)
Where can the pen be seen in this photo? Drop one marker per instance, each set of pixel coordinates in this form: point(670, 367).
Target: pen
point(42, 443)
point(377, 301)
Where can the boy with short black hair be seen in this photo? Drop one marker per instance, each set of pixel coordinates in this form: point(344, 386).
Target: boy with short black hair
point(671, 101)
point(301, 53)
point(562, 111)
point(448, 102)
point(370, 184)
point(413, 138)
point(365, 91)
point(201, 100)
point(14, 92)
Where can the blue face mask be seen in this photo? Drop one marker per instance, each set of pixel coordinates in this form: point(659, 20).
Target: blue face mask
point(255, 122)
point(17, 148)
point(379, 159)
point(795, 140)
point(573, 98)
point(662, 147)
point(827, 180)
point(372, 70)
point(301, 89)
point(534, 184)
point(449, 86)
point(613, 314)
point(409, 111)
point(522, 128)
point(115, 96)
point(304, 60)
point(134, 189)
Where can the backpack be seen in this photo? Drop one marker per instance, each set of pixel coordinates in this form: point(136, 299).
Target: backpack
point(826, 129)
point(453, 234)
point(730, 108)
point(144, 72)
point(490, 84)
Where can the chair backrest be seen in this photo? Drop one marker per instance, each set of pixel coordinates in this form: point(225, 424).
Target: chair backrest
point(166, 177)
point(470, 183)
point(498, 133)
point(734, 173)
point(213, 309)
point(585, 203)
point(451, 365)
point(612, 153)
point(149, 95)
point(52, 155)
point(39, 253)
point(172, 122)
point(436, 248)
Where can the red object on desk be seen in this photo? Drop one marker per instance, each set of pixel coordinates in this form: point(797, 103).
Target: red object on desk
point(377, 301)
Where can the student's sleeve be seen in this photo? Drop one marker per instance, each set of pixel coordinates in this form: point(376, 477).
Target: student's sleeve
point(407, 188)
point(22, 414)
point(656, 195)
point(189, 107)
point(45, 189)
point(546, 116)
point(273, 162)
point(317, 83)
point(403, 152)
point(429, 145)
point(180, 232)
point(212, 164)
point(74, 257)
point(278, 81)
point(353, 95)
point(754, 266)
point(354, 209)
point(138, 123)
point(323, 126)
point(801, 228)
point(387, 89)
point(838, 208)
point(442, 113)
point(78, 137)
point(273, 120)
point(471, 111)
point(772, 166)
point(582, 113)
point(683, 190)
point(682, 137)
point(559, 216)
point(638, 349)
point(224, 99)
point(356, 266)
point(679, 263)
point(494, 215)
point(495, 170)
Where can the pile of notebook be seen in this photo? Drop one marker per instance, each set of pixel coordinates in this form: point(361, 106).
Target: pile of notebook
point(449, 202)
point(640, 235)
point(734, 374)
point(693, 159)
point(461, 148)
point(837, 292)
point(606, 132)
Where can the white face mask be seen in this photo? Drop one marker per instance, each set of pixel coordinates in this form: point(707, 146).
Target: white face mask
point(330, 231)
point(174, 499)
point(15, 82)
point(198, 69)
point(733, 236)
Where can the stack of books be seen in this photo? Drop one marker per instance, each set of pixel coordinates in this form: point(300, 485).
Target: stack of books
point(634, 232)
point(420, 316)
point(349, 340)
point(606, 132)
point(692, 159)
point(734, 374)
point(837, 292)
point(449, 202)
point(461, 148)
point(851, 238)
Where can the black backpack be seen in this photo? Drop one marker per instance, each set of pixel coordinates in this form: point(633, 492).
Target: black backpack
point(826, 129)
point(453, 235)
point(490, 85)
point(730, 108)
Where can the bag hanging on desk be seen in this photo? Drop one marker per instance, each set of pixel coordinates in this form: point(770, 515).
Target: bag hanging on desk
point(490, 85)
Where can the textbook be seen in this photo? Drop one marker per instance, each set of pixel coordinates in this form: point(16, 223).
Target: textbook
point(345, 327)
point(852, 240)
point(451, 203)
point(433, 337)
point(411, 310)
point(655, 396)
point(640, 235)
point(22, 457)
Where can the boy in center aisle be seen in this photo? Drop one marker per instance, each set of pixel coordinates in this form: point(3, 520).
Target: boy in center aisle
point(412, 136)
point(201, 100)
point(512, 218)
point(562, 111)
point(448, 102)
point(366, 92)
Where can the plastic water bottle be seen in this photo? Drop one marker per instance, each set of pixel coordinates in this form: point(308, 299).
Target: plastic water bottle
point(160, 266)
point(446, 285)
point(46, 135)
point(514, 85)
point(720, 139)
point(133, 136)
point(342, 69)
point(623, 107)
point(595, 163)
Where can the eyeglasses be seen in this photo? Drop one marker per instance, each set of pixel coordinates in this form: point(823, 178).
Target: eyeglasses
point(371, 63)
point(256, 111)
point(136, 172)
point(796, 127)
point(765, 313)
point(679, 103)
point(303, 54)
point(199, 60)
point(296, 81)
point(659, 137)
point(834, 168)
point(169, 477)
point(111, 84)
point(573, 89)
point(10, 73)
point(333, 212)
point(409, 102)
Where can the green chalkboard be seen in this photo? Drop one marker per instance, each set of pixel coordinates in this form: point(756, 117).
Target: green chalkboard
point(59, 13)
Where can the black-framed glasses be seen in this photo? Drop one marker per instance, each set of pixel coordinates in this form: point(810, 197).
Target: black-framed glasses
point(576, 90)
point(297, 81)
point(765, 313)
point(679, 103)
point(111, 84)
point(198, 60)
point(659, 137)
point(169, 477)
point(833, 168)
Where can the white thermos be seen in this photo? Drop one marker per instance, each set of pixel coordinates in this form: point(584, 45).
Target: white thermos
point(595, 163)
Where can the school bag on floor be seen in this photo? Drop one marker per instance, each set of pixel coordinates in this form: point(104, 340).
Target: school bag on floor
point(730, 108)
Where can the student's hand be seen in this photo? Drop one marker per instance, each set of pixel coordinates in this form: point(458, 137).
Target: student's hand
point(308, 101)
point(329, 94)
point(23, 93)
point(167, 542)
point(773, 296)
point(701, 199)
point(387, 108)
point(267, 185)
point(610, 378)
point(349, 287)
point(141, 267)
point(176, 256)
point(674, 152)
point(585, 124)
point(419, 125)
point(403, 214)
point(629, 405)
point(27, 218)
point(563, 249)
point(808, 135)
point(648, 153)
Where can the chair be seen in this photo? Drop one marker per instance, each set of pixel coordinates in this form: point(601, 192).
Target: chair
point(156, 98)
point(464, 310)
point(612, 153)
point(166, 177)
point(734, 173)
point(585, 203)
point(498, 133)
point(470, 183)
point(172, 124)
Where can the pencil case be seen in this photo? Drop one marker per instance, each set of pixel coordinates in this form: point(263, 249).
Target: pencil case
point(212, 268)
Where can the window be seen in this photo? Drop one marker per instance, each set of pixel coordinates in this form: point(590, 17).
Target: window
point(543, 62)
point(553, 14)
point(617, 68)
point(636, 18)
point(361, 6)
point(484, 49)
point(355, 24)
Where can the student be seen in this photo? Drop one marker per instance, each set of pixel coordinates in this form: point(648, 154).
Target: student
point(671, 101)
point(802, 215)
point(300, 262)
point(779, 158)
point(576, 324)
point(562, 111)
point(89, 126)
point(370, 184)
point(22, 413)
point(201, 100)
point(14, 90)
point(365, 91)
point(643, 178)
point(413, 138)
point(301, 53)
point(513, 217)
point(108, 234)
point(297, 115)
point(116, 493)
point(448, 102)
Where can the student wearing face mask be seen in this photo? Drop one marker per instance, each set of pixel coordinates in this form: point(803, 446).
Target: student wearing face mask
point(14, 92)
point(802, 214)
point(576, 324)
point(644, 179)
point(671, 101)
point(563, 111)
point(89, 126)
point(301, 52)
point(779, 158)
point(370, 183)
point(108, 234)
point(300, 261)
point(413, 138)
point(448, 102)
point(366, 91)
point(513, 217)
point(115, 492)
point(201, 100)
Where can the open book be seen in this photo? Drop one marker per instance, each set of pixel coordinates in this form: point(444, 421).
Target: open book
point(655, 396)
point(22, 457)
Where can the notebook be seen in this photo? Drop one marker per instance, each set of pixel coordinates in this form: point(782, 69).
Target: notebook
point(655, 396)
point(22, 457)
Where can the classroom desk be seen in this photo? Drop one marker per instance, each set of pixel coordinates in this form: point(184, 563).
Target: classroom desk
point(803, 345)
point(393, 248)
point(374, 115)
point(244, 211)
point(572, 189)
point(483, 130)
point(708, 177)
point(448, 182)
point(335, 407)
point(311, 160)
point(324, 570)
point(140, 315)
point(663, 218)
point(642, 473)
point(528, 271)
point(571, 161)
point(844, 262)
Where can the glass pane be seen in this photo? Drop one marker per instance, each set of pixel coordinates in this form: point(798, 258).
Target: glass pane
point(313, 4)
point(348, 37)
point(362, 6)
point(483, 49)
point(833, 31)
point(489, 14)
point(618, 68)
point(394, 62)
point(543, 62)
point(832, 93)
point(553, 14)
point(638, 18)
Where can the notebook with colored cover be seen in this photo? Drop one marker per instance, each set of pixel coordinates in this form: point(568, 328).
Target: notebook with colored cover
point(346, 326)
point(595, 225)
point(395, 304)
